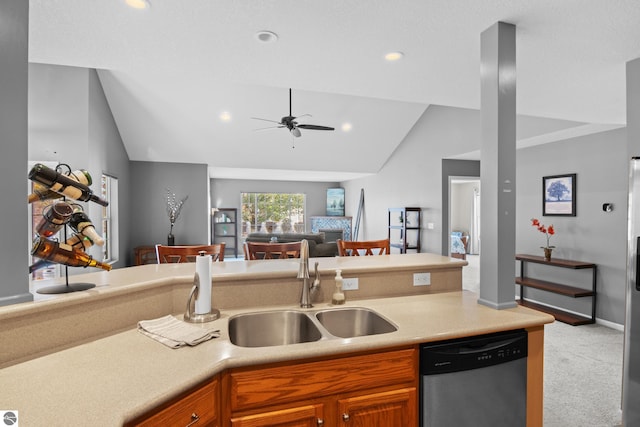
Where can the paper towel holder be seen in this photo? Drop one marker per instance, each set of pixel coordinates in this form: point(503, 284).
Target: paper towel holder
point(190, 315)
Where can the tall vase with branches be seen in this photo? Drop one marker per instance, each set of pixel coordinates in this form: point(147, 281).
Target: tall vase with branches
point(174, 207)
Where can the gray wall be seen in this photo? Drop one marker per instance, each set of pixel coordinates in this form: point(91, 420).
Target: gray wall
point(108, 155)
point(225, 193)
point(600, 163)
point(413, 177)
point(149, 220)
point(14, 282)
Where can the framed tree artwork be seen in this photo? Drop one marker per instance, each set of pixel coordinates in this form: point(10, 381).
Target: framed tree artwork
point(559, 195)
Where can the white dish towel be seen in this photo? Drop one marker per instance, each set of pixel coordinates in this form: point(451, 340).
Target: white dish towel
point(175, 333)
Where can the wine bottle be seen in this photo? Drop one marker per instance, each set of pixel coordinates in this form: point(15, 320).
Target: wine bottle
point(41, 263)
point(80, 223)
point(79, 241)
point(64, 254)
point(41, 192)
point(63, 184)
point(54, 217)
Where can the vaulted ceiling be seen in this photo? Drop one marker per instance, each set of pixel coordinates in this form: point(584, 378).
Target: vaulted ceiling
point(171, 70)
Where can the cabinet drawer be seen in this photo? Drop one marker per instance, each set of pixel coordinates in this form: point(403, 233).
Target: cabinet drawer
point(199, 408)
point(281, 384)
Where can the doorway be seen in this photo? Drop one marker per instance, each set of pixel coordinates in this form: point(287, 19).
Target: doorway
point(464, 227)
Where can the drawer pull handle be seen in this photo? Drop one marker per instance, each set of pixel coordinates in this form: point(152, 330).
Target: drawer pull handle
point(194, 419)
point(320, 422)
point(345, 417)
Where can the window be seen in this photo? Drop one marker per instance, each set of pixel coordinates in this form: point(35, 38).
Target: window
point(109, 186)
point(272, 212)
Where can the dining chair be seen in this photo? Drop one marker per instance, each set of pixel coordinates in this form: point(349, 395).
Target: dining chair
point(178, 254)
point(367, 247)
point(262, 250)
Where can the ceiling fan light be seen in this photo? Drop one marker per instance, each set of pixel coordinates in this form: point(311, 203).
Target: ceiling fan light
point(296, 132)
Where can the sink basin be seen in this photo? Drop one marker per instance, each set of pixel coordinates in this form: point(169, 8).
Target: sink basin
point(354, 322)
point(269, 328)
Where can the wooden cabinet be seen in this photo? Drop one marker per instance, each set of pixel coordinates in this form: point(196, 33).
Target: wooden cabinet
point(568, 291)
point(224, 227)
point(404, 229)
point(390, 408)
point(198, 408)
point(377, 389)
point(301, 416)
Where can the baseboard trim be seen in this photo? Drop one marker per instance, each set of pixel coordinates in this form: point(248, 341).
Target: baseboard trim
point(609, 324)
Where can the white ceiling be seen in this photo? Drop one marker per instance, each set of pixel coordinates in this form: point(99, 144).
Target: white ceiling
point(169, 72)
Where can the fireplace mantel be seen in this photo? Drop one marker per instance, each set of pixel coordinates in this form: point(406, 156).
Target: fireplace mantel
point(320, 223)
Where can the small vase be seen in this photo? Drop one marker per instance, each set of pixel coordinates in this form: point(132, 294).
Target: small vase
point(171, 239)
point(547, 254)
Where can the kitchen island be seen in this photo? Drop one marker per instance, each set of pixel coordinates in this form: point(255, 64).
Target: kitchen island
point(120, 375)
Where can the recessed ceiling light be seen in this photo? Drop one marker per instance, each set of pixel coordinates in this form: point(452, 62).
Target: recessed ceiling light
point(266, 36)
point(394, 56)
point(346, 127)
point(225, 116)
point(138, 4)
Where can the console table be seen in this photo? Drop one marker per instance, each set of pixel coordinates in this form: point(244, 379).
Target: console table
point(568, 291)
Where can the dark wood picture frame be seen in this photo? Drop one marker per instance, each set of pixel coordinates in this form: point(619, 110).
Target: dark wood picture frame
point(559, 195)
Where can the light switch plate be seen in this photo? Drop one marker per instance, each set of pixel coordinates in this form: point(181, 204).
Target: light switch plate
point(421, 279)
point(350, 284)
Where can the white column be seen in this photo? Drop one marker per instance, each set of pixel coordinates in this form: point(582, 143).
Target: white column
point(498, 165)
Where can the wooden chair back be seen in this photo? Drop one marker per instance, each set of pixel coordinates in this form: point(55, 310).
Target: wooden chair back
point(177, 254)
point(368, 247)
point(261, 250)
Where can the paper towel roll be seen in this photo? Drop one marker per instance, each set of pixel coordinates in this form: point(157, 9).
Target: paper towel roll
point(203, 269)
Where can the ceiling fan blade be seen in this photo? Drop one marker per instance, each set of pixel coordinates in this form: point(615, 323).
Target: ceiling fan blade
point(266, 120)
point(270, 127)
point(315, 127)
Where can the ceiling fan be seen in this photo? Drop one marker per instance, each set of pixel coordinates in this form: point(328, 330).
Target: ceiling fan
point(290, 122)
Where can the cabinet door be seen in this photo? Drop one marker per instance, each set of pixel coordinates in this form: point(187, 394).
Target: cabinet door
point(396, 408)
point(199, 408)
point(301, 416)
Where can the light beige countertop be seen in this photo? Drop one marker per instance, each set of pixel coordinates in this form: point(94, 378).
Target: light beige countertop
point(108, 381)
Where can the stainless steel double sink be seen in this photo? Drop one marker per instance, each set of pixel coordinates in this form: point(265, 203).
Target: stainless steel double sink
point(283, 327)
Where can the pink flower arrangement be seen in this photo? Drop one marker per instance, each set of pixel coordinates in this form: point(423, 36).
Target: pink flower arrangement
point(548, 231)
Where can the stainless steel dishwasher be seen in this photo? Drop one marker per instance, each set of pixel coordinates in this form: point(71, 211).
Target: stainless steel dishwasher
point(478, 381)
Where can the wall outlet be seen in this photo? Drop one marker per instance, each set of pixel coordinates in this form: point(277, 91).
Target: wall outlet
point(421, 279)
point(350, 284)
point(430, 226)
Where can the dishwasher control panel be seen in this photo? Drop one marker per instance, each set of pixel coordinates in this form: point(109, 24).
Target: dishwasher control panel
point(473, 352)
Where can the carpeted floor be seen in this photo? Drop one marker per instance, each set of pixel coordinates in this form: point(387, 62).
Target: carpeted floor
point(582, 372)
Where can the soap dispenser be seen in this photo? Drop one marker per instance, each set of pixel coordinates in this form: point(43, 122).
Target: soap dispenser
point(338, 296)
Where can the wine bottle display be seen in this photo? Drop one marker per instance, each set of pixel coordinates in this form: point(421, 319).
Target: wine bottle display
point(80, 223)
point(64, 184)
point(54, 217)
point(64, 254)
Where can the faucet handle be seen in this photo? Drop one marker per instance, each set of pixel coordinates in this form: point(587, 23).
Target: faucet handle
point(303, 271)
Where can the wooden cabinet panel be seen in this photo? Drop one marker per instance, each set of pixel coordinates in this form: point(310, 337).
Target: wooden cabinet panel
point(391, 408)
point(199, 408)
point(276, 385)
point(302, 416)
